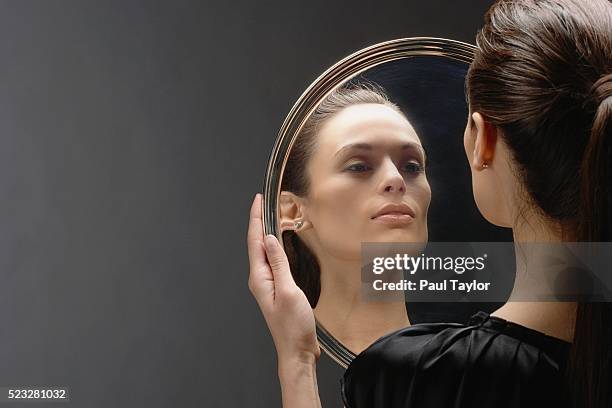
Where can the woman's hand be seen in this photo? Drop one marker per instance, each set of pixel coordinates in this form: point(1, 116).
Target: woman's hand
point(283, 304)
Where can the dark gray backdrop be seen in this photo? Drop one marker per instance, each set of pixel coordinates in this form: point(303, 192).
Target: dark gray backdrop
point(134, 135)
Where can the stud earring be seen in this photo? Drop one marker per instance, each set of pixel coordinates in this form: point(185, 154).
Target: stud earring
point(485, 165)
point(298, 224)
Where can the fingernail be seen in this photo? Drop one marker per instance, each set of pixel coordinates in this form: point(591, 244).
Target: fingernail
point(269, 241)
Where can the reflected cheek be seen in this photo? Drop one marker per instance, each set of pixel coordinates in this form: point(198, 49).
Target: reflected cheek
point(336, 217)
point(422, 197)
point(336, 209)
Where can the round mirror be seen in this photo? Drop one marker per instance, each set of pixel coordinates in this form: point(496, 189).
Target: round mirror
point(373, 152)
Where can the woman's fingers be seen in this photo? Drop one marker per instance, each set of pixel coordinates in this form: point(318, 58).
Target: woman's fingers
point(255, 232)
point(284, 305)
point(260, 276)
point(269, 268)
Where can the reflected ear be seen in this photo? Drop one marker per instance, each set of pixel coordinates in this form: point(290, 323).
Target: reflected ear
point(484, 145)
point(291, 212)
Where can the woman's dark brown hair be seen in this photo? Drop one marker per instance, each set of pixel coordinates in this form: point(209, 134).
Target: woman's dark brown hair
point(542, 73)
point(304, 265)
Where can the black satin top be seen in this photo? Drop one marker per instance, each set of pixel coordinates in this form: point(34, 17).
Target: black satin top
point(490, 362)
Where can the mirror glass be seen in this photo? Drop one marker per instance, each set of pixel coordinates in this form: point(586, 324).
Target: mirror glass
point(373, 152)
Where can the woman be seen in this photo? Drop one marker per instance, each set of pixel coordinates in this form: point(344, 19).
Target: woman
point(356, 173)
point(538, 140)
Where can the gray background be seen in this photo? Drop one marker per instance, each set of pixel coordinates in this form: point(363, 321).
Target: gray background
point(133, 136)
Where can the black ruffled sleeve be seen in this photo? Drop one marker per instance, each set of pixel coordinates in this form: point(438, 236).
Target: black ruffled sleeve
point(489, 362)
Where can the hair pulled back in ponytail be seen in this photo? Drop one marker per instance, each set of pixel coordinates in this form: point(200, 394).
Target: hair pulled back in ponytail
point(543, 74)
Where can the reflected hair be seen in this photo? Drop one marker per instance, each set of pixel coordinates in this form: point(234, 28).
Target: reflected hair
point(542, 73)
point(303, 262)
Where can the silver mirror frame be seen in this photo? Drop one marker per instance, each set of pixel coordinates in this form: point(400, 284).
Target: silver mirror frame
point(334, 77)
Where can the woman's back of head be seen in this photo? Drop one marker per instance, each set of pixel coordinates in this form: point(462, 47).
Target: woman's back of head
point(542, 74)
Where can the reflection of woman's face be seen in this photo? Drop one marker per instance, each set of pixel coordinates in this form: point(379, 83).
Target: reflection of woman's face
point(367, 182)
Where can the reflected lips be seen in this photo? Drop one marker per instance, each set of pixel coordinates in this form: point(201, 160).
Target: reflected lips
point(398, 214)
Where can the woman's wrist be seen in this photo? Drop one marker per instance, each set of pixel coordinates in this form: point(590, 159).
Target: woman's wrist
point(298, 380)
point(289, 361)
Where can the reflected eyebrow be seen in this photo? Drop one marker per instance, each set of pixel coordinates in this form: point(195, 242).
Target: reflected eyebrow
point(354, 146)
point(369, 147)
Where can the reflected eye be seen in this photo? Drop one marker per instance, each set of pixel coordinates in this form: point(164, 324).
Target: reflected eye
point(413, 167)
point(358, 168)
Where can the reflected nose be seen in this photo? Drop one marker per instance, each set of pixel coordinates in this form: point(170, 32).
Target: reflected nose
point(393, 182)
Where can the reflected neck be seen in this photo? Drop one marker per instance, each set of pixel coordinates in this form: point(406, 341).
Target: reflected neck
point(352, 321)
